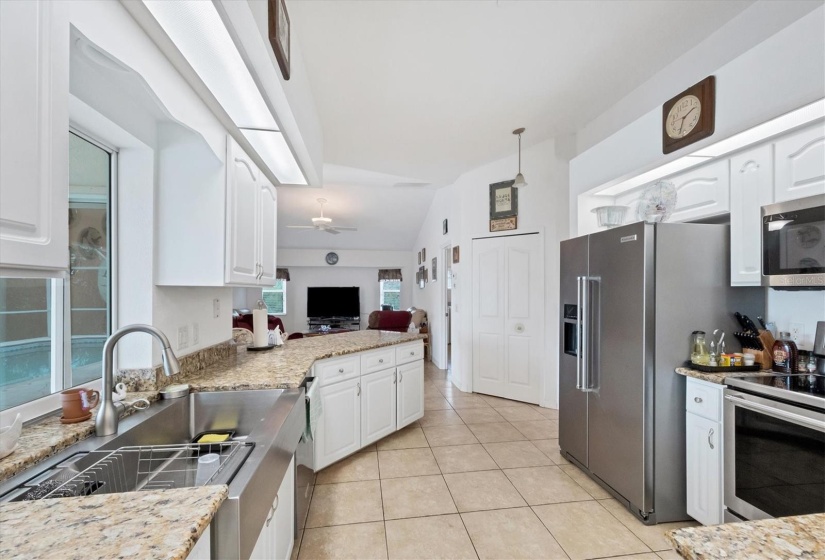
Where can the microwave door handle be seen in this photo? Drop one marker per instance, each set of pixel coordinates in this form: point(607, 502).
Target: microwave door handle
point(776, 413)
point(579, 337)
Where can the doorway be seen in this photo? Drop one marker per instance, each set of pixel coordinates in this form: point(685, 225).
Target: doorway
point(447, 306)
point(508, 316)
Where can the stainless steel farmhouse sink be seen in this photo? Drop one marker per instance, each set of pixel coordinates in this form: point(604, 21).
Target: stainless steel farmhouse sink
point(154, 450)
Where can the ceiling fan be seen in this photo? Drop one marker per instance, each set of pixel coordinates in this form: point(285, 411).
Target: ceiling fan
point(324, 224)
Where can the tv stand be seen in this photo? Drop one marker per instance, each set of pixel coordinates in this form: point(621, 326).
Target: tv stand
point(324, 323)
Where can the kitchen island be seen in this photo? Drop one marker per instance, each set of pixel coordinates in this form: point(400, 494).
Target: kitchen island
point(800, 536)
point(280, 368)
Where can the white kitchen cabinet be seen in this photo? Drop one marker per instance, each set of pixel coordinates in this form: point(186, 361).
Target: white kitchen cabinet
point(410, 393)
point(268, 232)
point(751, 187)
point(203, 548)
point(378, 405)
point(339, 432)
point(704, 453)
point(702, 192)
point(277, 536)
point(242, 219)
point(800, 164)
point(34, 135)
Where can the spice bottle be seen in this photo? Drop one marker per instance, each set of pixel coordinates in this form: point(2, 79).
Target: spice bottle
point(784, 354)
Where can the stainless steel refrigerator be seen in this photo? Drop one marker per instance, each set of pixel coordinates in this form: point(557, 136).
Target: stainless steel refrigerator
point(630, 299)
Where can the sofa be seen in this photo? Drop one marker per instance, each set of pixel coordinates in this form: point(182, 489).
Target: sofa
point(397, 321)
point(244, 321)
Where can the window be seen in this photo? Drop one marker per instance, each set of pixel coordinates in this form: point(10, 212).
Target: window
point(390, 293)
point(52, 330)
point(275, 298)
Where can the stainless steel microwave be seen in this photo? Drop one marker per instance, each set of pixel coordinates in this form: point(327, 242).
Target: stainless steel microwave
point(793, 244)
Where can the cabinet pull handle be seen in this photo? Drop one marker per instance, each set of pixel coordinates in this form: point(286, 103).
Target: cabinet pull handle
point(394, 378)
point(400, 377)
point(272, 510)
point(697, 399)
point(710, 435)
point(359, 389)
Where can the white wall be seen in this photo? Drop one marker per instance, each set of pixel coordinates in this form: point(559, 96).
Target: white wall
point(785, 308)
point(782, 73)
point(542, 207)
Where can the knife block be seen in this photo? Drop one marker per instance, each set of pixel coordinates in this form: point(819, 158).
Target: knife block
point(767, 349)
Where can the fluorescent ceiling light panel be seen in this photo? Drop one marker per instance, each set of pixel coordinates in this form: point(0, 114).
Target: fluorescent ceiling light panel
point(202, 38)
point(273, 149)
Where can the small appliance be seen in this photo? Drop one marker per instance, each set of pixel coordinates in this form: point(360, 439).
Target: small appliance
point(793, 244)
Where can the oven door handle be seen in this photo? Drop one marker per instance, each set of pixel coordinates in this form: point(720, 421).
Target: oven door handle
point(790, 416)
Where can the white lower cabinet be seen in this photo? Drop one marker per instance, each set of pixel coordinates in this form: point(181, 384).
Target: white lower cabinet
point(368, 406)
point(378, 405)
point(705, 469)
point(203, 548)
point(410, 393)
point(339, 432)
point(278, 533)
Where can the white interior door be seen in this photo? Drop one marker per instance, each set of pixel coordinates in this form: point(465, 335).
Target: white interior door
point(508, 316)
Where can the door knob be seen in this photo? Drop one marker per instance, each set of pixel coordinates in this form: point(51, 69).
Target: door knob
point(519, 328)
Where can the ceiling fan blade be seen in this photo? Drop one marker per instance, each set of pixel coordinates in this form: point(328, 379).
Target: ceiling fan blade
point(346, 228)
point(301, 227)
point(331, 230)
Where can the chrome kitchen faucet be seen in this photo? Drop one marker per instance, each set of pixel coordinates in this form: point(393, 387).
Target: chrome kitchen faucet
point(110, 412)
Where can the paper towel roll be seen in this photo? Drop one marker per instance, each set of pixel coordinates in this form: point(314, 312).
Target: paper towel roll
point(260, 332)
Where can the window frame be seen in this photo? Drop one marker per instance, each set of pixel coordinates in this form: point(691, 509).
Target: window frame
point(60, 309)
point(283, 291)
point(382, 291)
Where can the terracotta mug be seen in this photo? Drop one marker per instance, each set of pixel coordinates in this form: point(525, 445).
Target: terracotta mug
point(78, 402)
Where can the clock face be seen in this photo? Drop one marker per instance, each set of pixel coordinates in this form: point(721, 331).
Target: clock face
point(332, 258)
point(683, 116)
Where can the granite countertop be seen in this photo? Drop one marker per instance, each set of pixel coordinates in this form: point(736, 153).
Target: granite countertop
point(800, 536)
point(719, 378)
point(286, 366)
point(155, 524)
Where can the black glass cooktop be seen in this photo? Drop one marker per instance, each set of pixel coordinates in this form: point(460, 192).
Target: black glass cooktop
point(800, 387)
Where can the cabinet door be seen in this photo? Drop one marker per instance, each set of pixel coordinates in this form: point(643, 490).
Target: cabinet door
point(339, 431)
point(751, 187)
point(377, 405)
point(702, 192)
point(203, 548)
point(704, 470)
point(800, 164)
point(242, 194)
point(34, 135)
point(267, 218)
point(285, 516)
point(410, 393)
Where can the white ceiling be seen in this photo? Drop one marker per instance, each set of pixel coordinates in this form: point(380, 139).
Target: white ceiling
point(421, 91)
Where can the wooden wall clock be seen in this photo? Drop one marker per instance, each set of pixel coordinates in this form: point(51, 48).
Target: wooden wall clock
point(689, 116)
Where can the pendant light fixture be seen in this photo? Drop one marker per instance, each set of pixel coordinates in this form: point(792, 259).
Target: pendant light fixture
point(519, 180)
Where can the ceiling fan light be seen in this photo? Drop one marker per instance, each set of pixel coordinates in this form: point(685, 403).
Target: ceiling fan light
point(519, 181)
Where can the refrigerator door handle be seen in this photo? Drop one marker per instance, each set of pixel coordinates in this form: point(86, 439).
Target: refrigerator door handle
point(579, 332)
point(584, 349)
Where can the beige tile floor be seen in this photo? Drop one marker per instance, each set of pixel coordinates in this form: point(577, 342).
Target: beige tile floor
point(477, 477)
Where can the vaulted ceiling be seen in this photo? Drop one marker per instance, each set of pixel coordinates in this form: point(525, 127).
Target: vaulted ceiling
point(425, 90)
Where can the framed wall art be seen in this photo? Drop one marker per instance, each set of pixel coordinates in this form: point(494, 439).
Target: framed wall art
point(279, 34)
point(504, 224)
point(435, 269)
point(456, 254)
point(503, 200)
point(444, 227)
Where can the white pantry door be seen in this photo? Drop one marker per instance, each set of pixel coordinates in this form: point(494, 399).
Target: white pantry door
point(508, 316)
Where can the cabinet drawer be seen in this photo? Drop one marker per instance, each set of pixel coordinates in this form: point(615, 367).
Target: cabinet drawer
point(377, 360)
point(704, 399)
point(337, 369)
point(409, 353)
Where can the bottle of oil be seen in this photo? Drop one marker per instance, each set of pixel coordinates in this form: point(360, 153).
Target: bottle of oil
point(784, 354)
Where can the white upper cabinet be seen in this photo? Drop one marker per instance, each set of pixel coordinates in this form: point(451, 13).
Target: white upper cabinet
point(34, 135)
point(751, 187)
point(702, 192)
point(800, 164)
point(242, 220)
point(268, 219)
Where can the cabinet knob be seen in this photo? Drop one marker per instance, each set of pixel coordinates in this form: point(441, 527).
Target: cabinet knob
point(340, 370)
point(412, 353)
point(697, 399)
point(381, 361)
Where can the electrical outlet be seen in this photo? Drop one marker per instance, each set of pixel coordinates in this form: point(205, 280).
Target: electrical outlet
point(183, 337)
point(195, 333)
point(216, 308)
point(797, 332)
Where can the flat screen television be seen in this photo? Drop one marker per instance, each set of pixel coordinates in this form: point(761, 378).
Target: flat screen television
point(333, 302)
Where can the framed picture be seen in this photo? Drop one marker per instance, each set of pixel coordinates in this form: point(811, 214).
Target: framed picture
point(456, 254)
point(279, 34)
point(444, 227)
point(421, 278)
point(435, 269)
point(419, 257)
point(504, 224)
point(424, 256)
point(503, 200)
